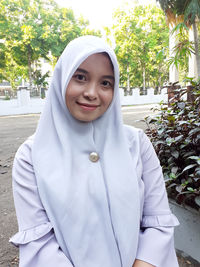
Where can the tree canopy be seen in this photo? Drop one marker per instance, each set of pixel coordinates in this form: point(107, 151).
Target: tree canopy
point(183, 14)
point(186, 9)
point(141, 39)
point(30, 30)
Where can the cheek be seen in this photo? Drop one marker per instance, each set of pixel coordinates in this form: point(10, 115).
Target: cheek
point(71, 92)
point(109, 97)
point(66, 97)
point(69, 95)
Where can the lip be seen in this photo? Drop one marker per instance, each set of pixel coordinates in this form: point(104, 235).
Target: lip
point(86, 106)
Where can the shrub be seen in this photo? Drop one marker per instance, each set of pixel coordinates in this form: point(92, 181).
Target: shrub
point(7, 97)
point(175, 134)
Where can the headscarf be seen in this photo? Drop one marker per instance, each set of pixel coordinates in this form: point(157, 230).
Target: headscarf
point(93, 206)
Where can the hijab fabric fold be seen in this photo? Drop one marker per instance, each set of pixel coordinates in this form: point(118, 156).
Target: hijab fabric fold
point(93, 206)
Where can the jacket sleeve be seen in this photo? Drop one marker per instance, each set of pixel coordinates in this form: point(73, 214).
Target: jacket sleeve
point(36, 240)
point(156, 242)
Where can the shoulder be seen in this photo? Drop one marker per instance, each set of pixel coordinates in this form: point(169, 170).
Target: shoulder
point(23, 156)
point(25, 148)
point(22, 171)
point(138, 141)
point(135, 135)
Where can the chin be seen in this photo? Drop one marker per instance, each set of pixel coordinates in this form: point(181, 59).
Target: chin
point(81, 119)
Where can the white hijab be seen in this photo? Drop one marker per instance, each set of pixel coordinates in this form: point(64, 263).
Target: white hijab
point(93, 207)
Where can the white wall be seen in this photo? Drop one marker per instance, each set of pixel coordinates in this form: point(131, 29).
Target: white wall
point(23, 97)
point(137, 99)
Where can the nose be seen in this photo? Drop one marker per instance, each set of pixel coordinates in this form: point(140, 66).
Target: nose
point(90, 92)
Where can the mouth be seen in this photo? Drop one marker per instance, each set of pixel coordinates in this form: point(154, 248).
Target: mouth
point(86, 106)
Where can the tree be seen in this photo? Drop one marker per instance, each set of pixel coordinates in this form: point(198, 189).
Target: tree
point(40, 79)
point(2, 59)
point(12, 72)
point(9, 69)
point(33, 28)
point(141, 39)
point(187, 11)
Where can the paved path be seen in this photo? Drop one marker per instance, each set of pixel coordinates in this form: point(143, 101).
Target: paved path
point(13, 131)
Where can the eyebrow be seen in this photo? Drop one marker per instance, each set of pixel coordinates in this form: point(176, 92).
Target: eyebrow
point(86, 72)
point(82, 70)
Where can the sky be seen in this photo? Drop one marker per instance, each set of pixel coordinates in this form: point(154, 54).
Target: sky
point(99, 13)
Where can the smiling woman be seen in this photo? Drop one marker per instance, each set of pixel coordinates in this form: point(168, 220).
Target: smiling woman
point(90, 90)
point(89, 190)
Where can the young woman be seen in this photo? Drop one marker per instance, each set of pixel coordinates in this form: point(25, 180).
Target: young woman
point(89, 191)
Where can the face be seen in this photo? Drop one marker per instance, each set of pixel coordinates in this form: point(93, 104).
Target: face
point(90, 90)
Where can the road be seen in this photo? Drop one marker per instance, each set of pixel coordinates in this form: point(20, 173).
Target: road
point(13, 131)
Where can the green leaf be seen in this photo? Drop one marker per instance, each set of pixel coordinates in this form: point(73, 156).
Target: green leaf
point(171, 118)
point(183, 122)
point(159, 142)
point(172, 176)
point(169, 141)
point(197, 200)
point(160, 131)
point(190, 189)
point(171, 185)
point(179, 188)
point(178, 138)
point(194, 131)
point(174, 170)
point(189, 167)
point(175, 154)
point(195, 158)
point(188, 154)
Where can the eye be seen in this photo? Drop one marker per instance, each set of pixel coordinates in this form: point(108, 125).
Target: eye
point(80, 77)
point(107, 83)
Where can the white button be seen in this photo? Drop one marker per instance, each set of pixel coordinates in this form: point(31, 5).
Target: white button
point(94, 157)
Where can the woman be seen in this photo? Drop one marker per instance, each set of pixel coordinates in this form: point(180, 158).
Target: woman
point(89, 191)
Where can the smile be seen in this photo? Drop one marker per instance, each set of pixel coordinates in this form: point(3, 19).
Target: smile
point(87, 106)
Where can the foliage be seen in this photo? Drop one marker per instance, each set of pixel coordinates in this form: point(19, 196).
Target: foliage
point(177, 10)
point(40, 79)
point(184, 48)
point(141, 38)
point(183, 14)
point(12, 72)
point(30, 30)
point(6, 97)
point(175, 134)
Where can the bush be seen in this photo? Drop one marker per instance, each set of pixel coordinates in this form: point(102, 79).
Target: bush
point(7, 97)
point(175, 134)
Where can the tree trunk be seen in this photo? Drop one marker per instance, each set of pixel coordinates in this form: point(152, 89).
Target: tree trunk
point(173, 71)
point(29, 68)
point(144, 79)
point(128, 79)
point(160, 77)
point(196, 46)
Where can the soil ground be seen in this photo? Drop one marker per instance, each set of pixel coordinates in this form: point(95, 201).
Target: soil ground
point(13, 131)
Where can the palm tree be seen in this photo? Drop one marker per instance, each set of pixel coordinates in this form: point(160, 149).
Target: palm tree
point(187, 11)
